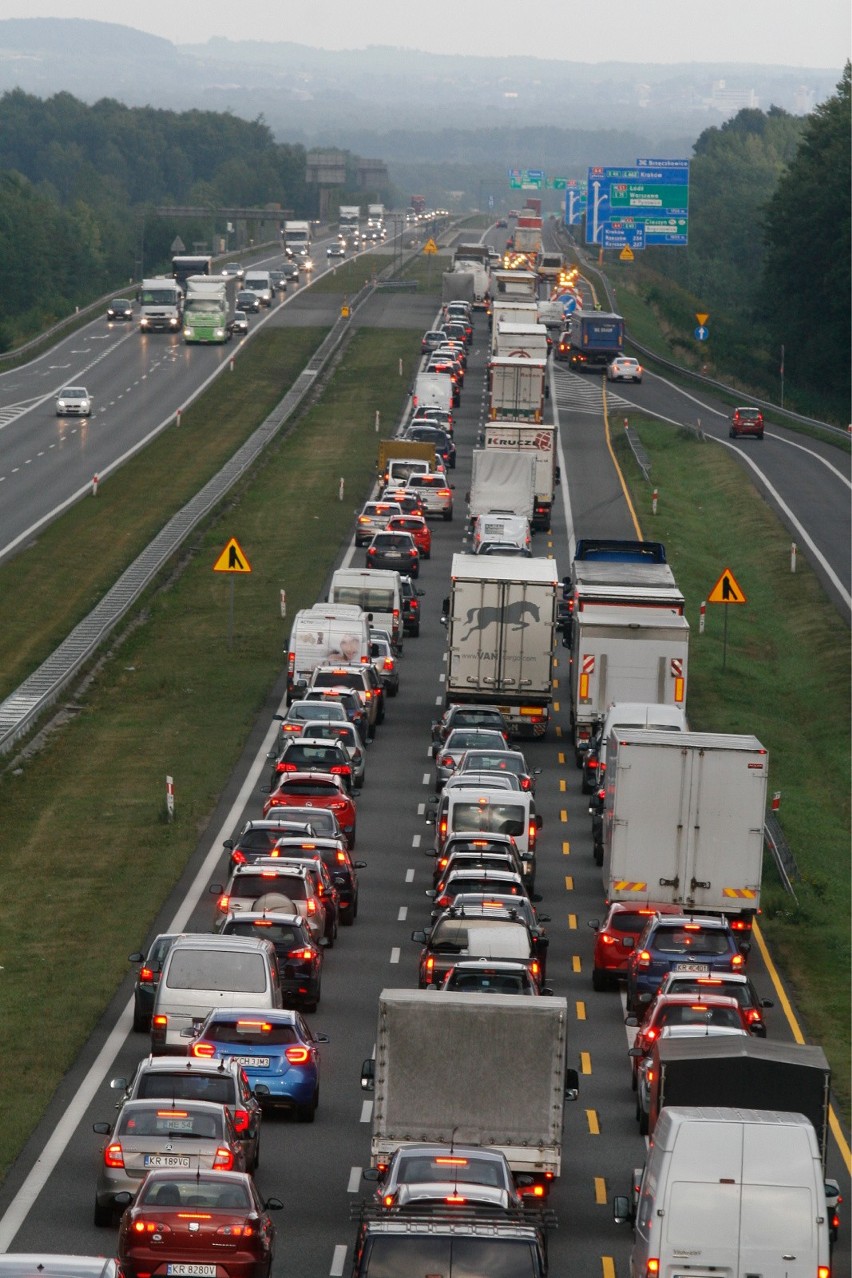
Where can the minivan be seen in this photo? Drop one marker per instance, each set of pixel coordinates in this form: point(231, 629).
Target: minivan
point(205, 971)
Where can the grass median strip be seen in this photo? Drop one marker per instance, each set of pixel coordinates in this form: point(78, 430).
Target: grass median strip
point(785, 678)
point(85, 819)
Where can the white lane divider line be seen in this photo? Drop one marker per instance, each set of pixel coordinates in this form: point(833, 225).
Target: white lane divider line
point(409, 876)
point(438, 700)
point(426, 778)
point(415, 840)
point(403, 914)
point(354, 1181)
point(421, 809)
point(395, 954)
point(338, 1261)
point(366, 1111)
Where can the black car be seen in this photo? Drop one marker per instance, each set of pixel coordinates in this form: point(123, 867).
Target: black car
point(444, 446)
point(338, 861)
point(258, 838)
point(290, 270)
point(148, 978)
point(394, 550)
point(119, 309)
point(301, 754)
point(279, 281)
point(411, 597)
point(248, 301)
point(299, 958)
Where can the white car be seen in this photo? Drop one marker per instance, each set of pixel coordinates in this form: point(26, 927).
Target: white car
point(624, 368)
point(74, 401)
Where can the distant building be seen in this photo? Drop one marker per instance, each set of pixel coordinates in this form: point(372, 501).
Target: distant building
point(729, 101)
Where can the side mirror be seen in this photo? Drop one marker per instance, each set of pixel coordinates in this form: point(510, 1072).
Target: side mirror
point(359, 865)
point(229, 844)
point(215, 887)
point(273, 1204)
point(368, 1075)
point(265, 789)
point(123, 1199)
point(542, 918)
point(594, 924)
point(631, 1020)
point(572, 1084)
point(539, 822)
point(371, 1173)
point(321, 1038)
point(766, 1002)
point(545, 990)
point(103, 1129)
point(272, 756)
point(431, 893)
point(138, 957)
point(635, 1053)
point(419, 935)
point(621, 1209)
point(118, 1084)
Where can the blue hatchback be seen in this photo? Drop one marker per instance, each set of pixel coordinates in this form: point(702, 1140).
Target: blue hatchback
point(679, 943)
point(275, 1048)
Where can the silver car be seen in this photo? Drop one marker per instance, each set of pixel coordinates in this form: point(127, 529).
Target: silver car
point(348, 735)
point(73, 401)
point(457, 743)
point(185, 1134)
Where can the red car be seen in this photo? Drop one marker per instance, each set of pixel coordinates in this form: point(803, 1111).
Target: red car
point(318, 790)
point(715, 1010)
point(746, 421)
point(206, 1222)
point(616, 939)
point(419, 529)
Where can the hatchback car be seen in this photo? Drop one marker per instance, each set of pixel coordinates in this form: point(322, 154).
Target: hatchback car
point(732, 984)
point(149, 1134)
point(248, 301)
point(349, 736)
point(431, 340)
point(198, 1214)
point(374, 517)
point(301, 712)
point(456, 935)
point(679, 943)
point(419, 530)
point(409, 502)
point(290, 270)
point(258, 838)
point(73, 401)
point(431, 414)
point(234, 269)
point(457, 743)
point(746, 421)
point(120, 309)
point(461, 330)
point(411, 597)
point(148, 978)
point(312, 754)
point(496, 851)
point(323, 883)
point(336, 249)
point(354, 710)
point(434, 492)
point(490, 976)
point(624, 368)
point(466, 879)
point(299, 957)
point(361, 679)
point(395, 550)
point(616, 937)
point(343, 870)
point(277, 1050)
point(321, 790)
point(464, 716)
point(172, 1079)
point(278, 281)
point(478, 759)
point(506, 549)
point(240, 324)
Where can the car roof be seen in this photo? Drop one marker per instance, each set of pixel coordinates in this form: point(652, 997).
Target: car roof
point(264, 916)
point(280, 1015)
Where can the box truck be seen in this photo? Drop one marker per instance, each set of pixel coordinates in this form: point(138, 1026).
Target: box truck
point(539, 442)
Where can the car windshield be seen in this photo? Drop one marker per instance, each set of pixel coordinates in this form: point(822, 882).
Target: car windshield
point(432, 1169)
point(483, 761)
point(325, 710)
point(312, 756)
point(313, 789)
point(698, 1014)
point(212, 969)
point(182, 1085)
point(280, 934)
point(431, 1253)
point(685, 941)
point(73, 392)
point(488, 982)
point(251, 887)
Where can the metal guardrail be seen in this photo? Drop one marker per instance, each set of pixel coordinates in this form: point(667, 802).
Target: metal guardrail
point(782, 853)
point(22, 708)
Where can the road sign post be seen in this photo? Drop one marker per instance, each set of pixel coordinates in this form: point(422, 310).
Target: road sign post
point(232, 560)
point(726, 591)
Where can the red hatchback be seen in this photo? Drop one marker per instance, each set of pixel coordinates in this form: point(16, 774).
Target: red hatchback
point(616, 939)
point(419, 529)
point(207, 1222)
point(746, 421)
point(712, 1011)
point(315, 790)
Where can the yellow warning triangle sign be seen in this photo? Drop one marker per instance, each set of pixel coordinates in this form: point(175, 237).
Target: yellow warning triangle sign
point(626, 254)
point(726, 590)
point(430, 246)
point(232, 559)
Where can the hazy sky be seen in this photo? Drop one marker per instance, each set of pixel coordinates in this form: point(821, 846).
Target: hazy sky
point(815, 34)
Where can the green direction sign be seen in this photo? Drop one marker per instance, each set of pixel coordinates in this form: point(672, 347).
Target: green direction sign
point(560, 184)
point(515, 184)
point(647, 197)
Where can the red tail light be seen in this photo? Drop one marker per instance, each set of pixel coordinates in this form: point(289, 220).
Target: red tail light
point(740, 925)
point(442, 829)
point(286, 767)
point(150, 1227)
point(531, 835)
point(525, 783)
point(652, 1268)
point(298, 1055)
point(206, 1051)
point(643, 959)
point(114, 1155)
point(738, 961)
point(388, 1200)
point(241, 1120)
point(447, 761)
point(430, 965)
point(291, 664)
point(223, 1160)
point(341, 770)
point(239, 858)
point(311, 905)
point(146, 975)
point(300, 954)
point(387, 664)
point(607, 939)
point(222, 904)
point(246, 1230)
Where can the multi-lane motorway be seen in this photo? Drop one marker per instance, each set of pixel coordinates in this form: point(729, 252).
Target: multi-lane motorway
point(48, 1196)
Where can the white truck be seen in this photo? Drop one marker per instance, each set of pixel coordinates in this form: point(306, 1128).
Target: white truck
point(472, 259)
point(458, 286)
point(501, 616)
point(160, 305)
point(517, 388)
point(513, 311)
point(624, 654)
point(501, 481)
point(424, 1036)
point(539, 442)
point(634, 583)
point(510, 338)
point(297, 238)
point(432, 390)
point(209, 308)
point(517, 284)
point(730, 1191)
point(683, 822)
point(349, 221)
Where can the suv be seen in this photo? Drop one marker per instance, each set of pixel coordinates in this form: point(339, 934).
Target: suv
point(395, 550)
point(488, 933)
point(299, 957)
point(362, 679)
point(270, 886)
point(335, 857)
point(323, 882)
point(310, 754)
point(435, 493)
point(224, 1082)
point(616, 937)
point(679, 943)
point(746, 421)
point(491, 1243)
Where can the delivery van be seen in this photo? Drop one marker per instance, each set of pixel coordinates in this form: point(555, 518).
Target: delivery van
point(259, 283)
point(327, 634)
point(469, 810)
point(730, 1191)
point(377, 592)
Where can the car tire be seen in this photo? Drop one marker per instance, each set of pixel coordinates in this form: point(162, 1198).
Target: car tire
point(760, 436)
point(600, 980)
point(585, 787)
point(307, 1113)
point(732, 434)
point(598, 854)
point(102, 1216)
point(392, 692)
point(347, 919)
point(141, 1022)
point(448, 516)
point(634, 1081)
point(642, 1119)
point(256, 1161)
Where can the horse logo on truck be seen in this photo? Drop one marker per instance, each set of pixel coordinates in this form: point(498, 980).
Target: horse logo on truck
point(513, 615)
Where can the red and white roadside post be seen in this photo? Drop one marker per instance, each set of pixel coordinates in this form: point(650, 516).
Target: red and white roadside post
point(170, 797)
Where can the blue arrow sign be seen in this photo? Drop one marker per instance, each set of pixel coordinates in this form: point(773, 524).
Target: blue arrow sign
point(701, 333)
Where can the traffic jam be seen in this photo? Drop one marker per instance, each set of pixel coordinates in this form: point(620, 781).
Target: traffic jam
point(595, 661)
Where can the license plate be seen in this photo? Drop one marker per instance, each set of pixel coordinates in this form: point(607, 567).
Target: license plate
point(252, 1062)
point(191, 1271)
point(166, 1160)
point(701, 968)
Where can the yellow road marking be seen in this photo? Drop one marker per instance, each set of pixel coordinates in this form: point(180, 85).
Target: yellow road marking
point(562, 786)
point(572, 922)
point(566, 848)
point(560, 758)
point(600, 1191)
point(592, 1120)
point(558, 730)
point(607, 1267)
point(556, 707)
point(563, 816)
point(569, 883)
point(556, 683)
point(576, 963)
point(585, 1064)
point(581, 1010)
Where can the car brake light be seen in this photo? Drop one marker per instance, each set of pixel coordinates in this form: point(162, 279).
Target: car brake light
point(246, 1230)
point(442, 829)
point(241, 1120)
point(430, 965)
point(455, 1199)
point(740, 925)
point(643, 959)
point(300, 954)
point(737, 961)
point(753, 1015)
point(692, 927)
point(341, 770)
point(239, 858)
point(443, 900)
point(223, 1160)
point(531, 836)
point(146, 975)
point(150, 1227)
point(443, 492)
point(114, 1155)
point(286, 767)
point(203, 1050)
point(311, 905)
point(447, 761)
point(387, 664)
point(651, 1034)
point(298, 1055)
point(652, 1268)
point(823, 1271)
point(222, 904)
point(607, 939)
point(535, 968)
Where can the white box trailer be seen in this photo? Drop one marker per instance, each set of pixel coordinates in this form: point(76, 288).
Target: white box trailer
point(539, 442)
point(513, 310)
point(501, 625)
point(517, 284)
point(683, 821)
point(424, 1036)
point(624, 654)
point(501, 480)
point(512, 337)
point(517, 388)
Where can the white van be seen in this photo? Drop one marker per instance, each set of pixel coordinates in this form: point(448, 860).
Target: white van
point(203, 972)
point(325, 635)
point(260, 283)
point(400, 469)
point(730, 1191)
point(470, 810)
point(432, 390)
point(503, 527)
point(377, 592)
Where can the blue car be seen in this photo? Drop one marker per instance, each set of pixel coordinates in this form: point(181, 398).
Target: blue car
point(275, 1048)
point(702, 946)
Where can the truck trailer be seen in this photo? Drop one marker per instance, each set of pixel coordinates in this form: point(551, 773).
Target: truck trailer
point(501, 480)
point(539, 442)
point(500, 618)
point(595, 338)
point(517, 388)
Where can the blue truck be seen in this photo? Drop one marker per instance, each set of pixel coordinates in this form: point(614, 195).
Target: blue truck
point(595, 338)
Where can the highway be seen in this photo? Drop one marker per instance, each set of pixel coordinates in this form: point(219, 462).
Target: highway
point(48, 1196)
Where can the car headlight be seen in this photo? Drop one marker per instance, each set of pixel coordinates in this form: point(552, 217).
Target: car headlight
point(60, 403)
